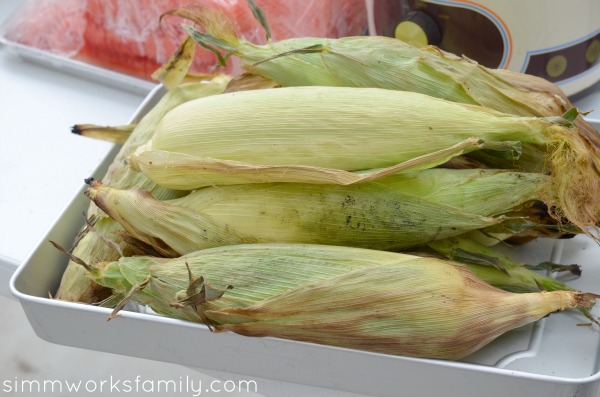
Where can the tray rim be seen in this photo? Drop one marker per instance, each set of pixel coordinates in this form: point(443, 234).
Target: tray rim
point(84, 70)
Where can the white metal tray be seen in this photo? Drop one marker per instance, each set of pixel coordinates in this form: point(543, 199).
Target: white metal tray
point(589, 100)
point(553, 357)
point(74, 67)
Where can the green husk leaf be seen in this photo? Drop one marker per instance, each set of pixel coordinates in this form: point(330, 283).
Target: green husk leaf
point(495, 267)
point(556, 267)
point(210, 42)
point(315, 48)
point(476, 258)
point(259, 15)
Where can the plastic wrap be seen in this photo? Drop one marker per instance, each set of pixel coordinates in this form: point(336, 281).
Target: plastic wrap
point(126, 35)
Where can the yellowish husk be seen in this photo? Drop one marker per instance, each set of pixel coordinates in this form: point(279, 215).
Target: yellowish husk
point(115, 134)
point(319, 129)
point(383, 62)
point(397, 212)
point(432, 310)
point(333, 134)
point(372, 61)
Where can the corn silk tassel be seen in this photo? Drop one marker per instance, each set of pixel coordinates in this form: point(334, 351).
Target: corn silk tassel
point(349, 297)
point(91, 247)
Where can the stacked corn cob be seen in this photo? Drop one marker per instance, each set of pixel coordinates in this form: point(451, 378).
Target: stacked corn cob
point(277, 210)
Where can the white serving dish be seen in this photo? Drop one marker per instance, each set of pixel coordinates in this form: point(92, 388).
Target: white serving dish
point(553, 357)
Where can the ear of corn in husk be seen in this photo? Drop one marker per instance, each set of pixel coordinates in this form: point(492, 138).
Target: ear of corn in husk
point(432, 311)
point(312, 130)
point(374, 61)
point(350, 297)
point(90, 246)
point(331, 134)
point(394, 213)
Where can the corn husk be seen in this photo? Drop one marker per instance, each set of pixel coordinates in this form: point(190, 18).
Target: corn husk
point(433, 311)
point(394, 213)
point(370, 61)
point(362, 299)
point(318, 134)
point(375, 61)
point(329, 135)
point(91, 246)
point(175, 70)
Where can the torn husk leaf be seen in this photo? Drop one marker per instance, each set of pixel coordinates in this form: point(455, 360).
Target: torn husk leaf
point(186, 171)
point(174, 71)
point(247, 81)
point(115, 134)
